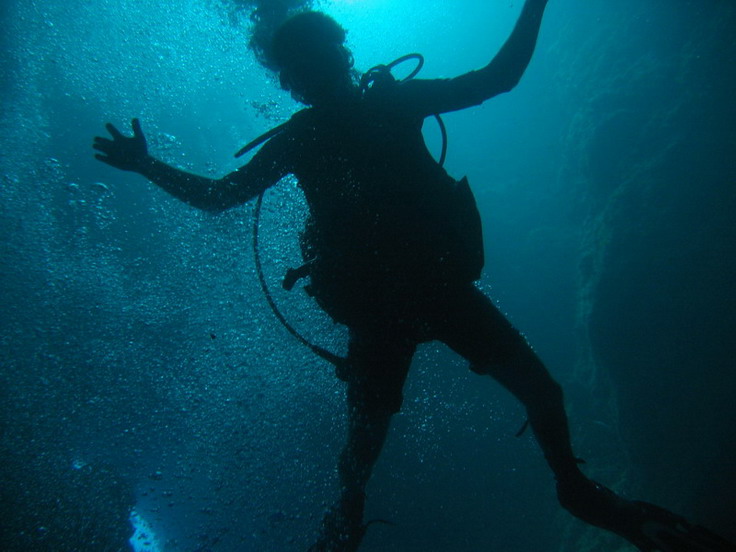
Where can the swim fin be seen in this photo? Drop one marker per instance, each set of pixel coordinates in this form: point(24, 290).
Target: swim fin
point(668, 532)
point(648, 527)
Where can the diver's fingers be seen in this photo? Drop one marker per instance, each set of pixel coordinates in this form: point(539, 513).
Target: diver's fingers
point(104, 159)
point(115, 133)
point(101, 143)
point(137, 131)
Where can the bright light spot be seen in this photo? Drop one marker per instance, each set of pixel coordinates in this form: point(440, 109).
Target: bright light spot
point(143, 539)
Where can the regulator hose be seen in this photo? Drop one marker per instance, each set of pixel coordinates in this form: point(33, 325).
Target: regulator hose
point(316, 349)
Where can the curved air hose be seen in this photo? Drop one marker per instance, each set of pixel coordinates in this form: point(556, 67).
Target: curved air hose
point(368, 78)
point(319, 351)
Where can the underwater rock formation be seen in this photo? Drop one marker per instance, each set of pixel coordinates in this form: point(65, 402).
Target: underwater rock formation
point(656, 154)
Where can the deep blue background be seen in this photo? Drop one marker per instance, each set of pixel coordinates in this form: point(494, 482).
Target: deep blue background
point(141, 367)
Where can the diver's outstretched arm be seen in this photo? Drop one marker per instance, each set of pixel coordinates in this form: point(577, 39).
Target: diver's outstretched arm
point(131, 154)
point(429, 97)
point(505, 70)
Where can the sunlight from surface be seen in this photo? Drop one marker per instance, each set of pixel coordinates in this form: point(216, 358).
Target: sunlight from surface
point(454, 37)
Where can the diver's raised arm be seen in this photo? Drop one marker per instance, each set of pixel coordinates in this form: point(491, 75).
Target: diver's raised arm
point(505, 70)
point(131, 154)
point(503, 73)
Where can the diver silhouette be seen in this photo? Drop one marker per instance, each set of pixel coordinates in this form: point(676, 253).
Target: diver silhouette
point(392, 247)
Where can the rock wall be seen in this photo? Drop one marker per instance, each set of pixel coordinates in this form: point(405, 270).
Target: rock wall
point(652, 153)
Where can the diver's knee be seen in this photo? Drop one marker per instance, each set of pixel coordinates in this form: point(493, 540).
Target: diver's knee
point(553, 392)
point(528, 380)
point(546, 394)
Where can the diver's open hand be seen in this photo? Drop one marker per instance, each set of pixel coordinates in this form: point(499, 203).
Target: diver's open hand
point(127, 154)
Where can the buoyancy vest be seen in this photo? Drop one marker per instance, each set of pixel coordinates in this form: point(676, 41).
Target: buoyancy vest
point(387, 223)
point(437, 242)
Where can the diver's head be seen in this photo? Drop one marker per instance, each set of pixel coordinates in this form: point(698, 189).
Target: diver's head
point(308, 51)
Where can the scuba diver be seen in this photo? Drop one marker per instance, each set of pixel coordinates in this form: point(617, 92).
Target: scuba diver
point(392, 247)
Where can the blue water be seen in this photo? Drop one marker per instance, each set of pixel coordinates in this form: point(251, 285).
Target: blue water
point(141, 368)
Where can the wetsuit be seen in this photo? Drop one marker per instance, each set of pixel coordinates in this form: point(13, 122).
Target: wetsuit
point(395, 245)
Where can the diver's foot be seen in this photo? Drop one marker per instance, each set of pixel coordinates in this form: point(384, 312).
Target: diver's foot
point(342, 527)
point(648, 527)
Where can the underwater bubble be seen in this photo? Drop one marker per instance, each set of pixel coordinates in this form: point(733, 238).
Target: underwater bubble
point(100, 186)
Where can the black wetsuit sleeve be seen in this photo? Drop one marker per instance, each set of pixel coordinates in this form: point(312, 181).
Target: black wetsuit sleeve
point(503, 73)
point(423, 97)
point(265, 169)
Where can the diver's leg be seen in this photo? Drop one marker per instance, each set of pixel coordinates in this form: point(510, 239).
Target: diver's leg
point(471, 325)
point(376, 371)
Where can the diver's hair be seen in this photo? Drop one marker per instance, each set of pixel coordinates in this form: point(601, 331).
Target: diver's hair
point(304, 36)
point(266, 16)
